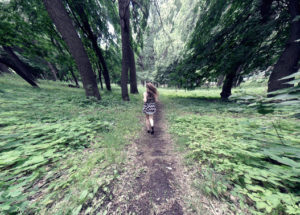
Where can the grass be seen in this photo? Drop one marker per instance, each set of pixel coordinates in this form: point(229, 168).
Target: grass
point(60, 152)
point(242, 155)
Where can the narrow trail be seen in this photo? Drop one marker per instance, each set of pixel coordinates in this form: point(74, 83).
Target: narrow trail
point(153, 180)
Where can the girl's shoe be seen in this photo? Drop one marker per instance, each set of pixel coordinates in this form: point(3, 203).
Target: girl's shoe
point(148, 131)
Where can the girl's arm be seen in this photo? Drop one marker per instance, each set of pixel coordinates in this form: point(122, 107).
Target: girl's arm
point(145, 96)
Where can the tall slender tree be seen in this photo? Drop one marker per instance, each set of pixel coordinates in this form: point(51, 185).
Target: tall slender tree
point(287, 63)
point(128, 61)
point(64, 25)
point(125, 34)
point(86, 27)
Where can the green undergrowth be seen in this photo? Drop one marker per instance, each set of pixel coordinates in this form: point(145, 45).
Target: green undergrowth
point(59, 152)
point(242, 155)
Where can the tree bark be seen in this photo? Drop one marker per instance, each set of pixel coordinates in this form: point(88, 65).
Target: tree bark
point(228, 82)
point(88, 30)
point(133, 81)
point(3, 68)
point(12, 64)
point(20, 64)
point(64, 25)
point(125, 34)
point(287, 63)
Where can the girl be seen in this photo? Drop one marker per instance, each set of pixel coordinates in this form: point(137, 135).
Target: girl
point(150, 97)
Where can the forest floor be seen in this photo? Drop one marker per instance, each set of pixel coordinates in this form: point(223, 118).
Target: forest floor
point(156, 181)
point(61, 153)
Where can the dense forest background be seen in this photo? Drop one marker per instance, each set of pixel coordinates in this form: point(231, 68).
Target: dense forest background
point(175, 43)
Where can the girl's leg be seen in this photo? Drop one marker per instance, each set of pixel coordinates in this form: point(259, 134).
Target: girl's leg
point(151, 123)
point(151, 120)
point(147, 122)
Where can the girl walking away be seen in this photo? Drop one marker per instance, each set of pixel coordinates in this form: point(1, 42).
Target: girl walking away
point(150, 98)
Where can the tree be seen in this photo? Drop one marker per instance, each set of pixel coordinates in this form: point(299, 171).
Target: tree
point(93, 39)
point(53, 70)
point(19, 70)
point(22, 69)
point(128, 61)
point(228, 83)
point(3, 68)
point(287, 64)
point(125, 34)
point(64, 25)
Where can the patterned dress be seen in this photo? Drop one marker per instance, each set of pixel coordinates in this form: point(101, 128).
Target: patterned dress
point(149, 106)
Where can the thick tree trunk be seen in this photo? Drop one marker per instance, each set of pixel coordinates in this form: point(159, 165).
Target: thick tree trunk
point(228, 82)
point(3, 68)
point(133, 81)
point(287, 63)
point(12, 64)
point(88, 30)
point(125, 34)
point(64, 25)
point(53, 71)
point(20, 64)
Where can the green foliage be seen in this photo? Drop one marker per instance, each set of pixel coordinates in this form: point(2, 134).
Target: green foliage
point(169, 26)
point(59, 150)
point(227, 34)
point(255, 156)
point(285, 100)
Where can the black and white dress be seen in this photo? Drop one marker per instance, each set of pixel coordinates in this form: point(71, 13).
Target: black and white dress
point(149, 106)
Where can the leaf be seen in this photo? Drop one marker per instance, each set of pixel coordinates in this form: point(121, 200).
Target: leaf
point(83, 195)
point(77, 210)
point(261, 205)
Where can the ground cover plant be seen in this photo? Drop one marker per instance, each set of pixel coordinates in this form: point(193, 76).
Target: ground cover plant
point(59, 152)
point(242, 154)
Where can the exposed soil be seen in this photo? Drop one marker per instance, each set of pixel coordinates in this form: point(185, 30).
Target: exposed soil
point(154, 180)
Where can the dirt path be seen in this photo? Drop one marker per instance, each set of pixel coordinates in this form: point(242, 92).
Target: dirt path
point(152, 181)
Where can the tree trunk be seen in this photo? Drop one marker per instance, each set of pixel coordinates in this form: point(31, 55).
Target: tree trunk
point(287, 63)
point(3, 68)
point(100, 78)
point(64, 25)
point(88, 30)
point(228, 82)
point(74, 77)
point(133, 81)
point(20, 64)
point(19, 70)
point(125, 34)
point(53, 71)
